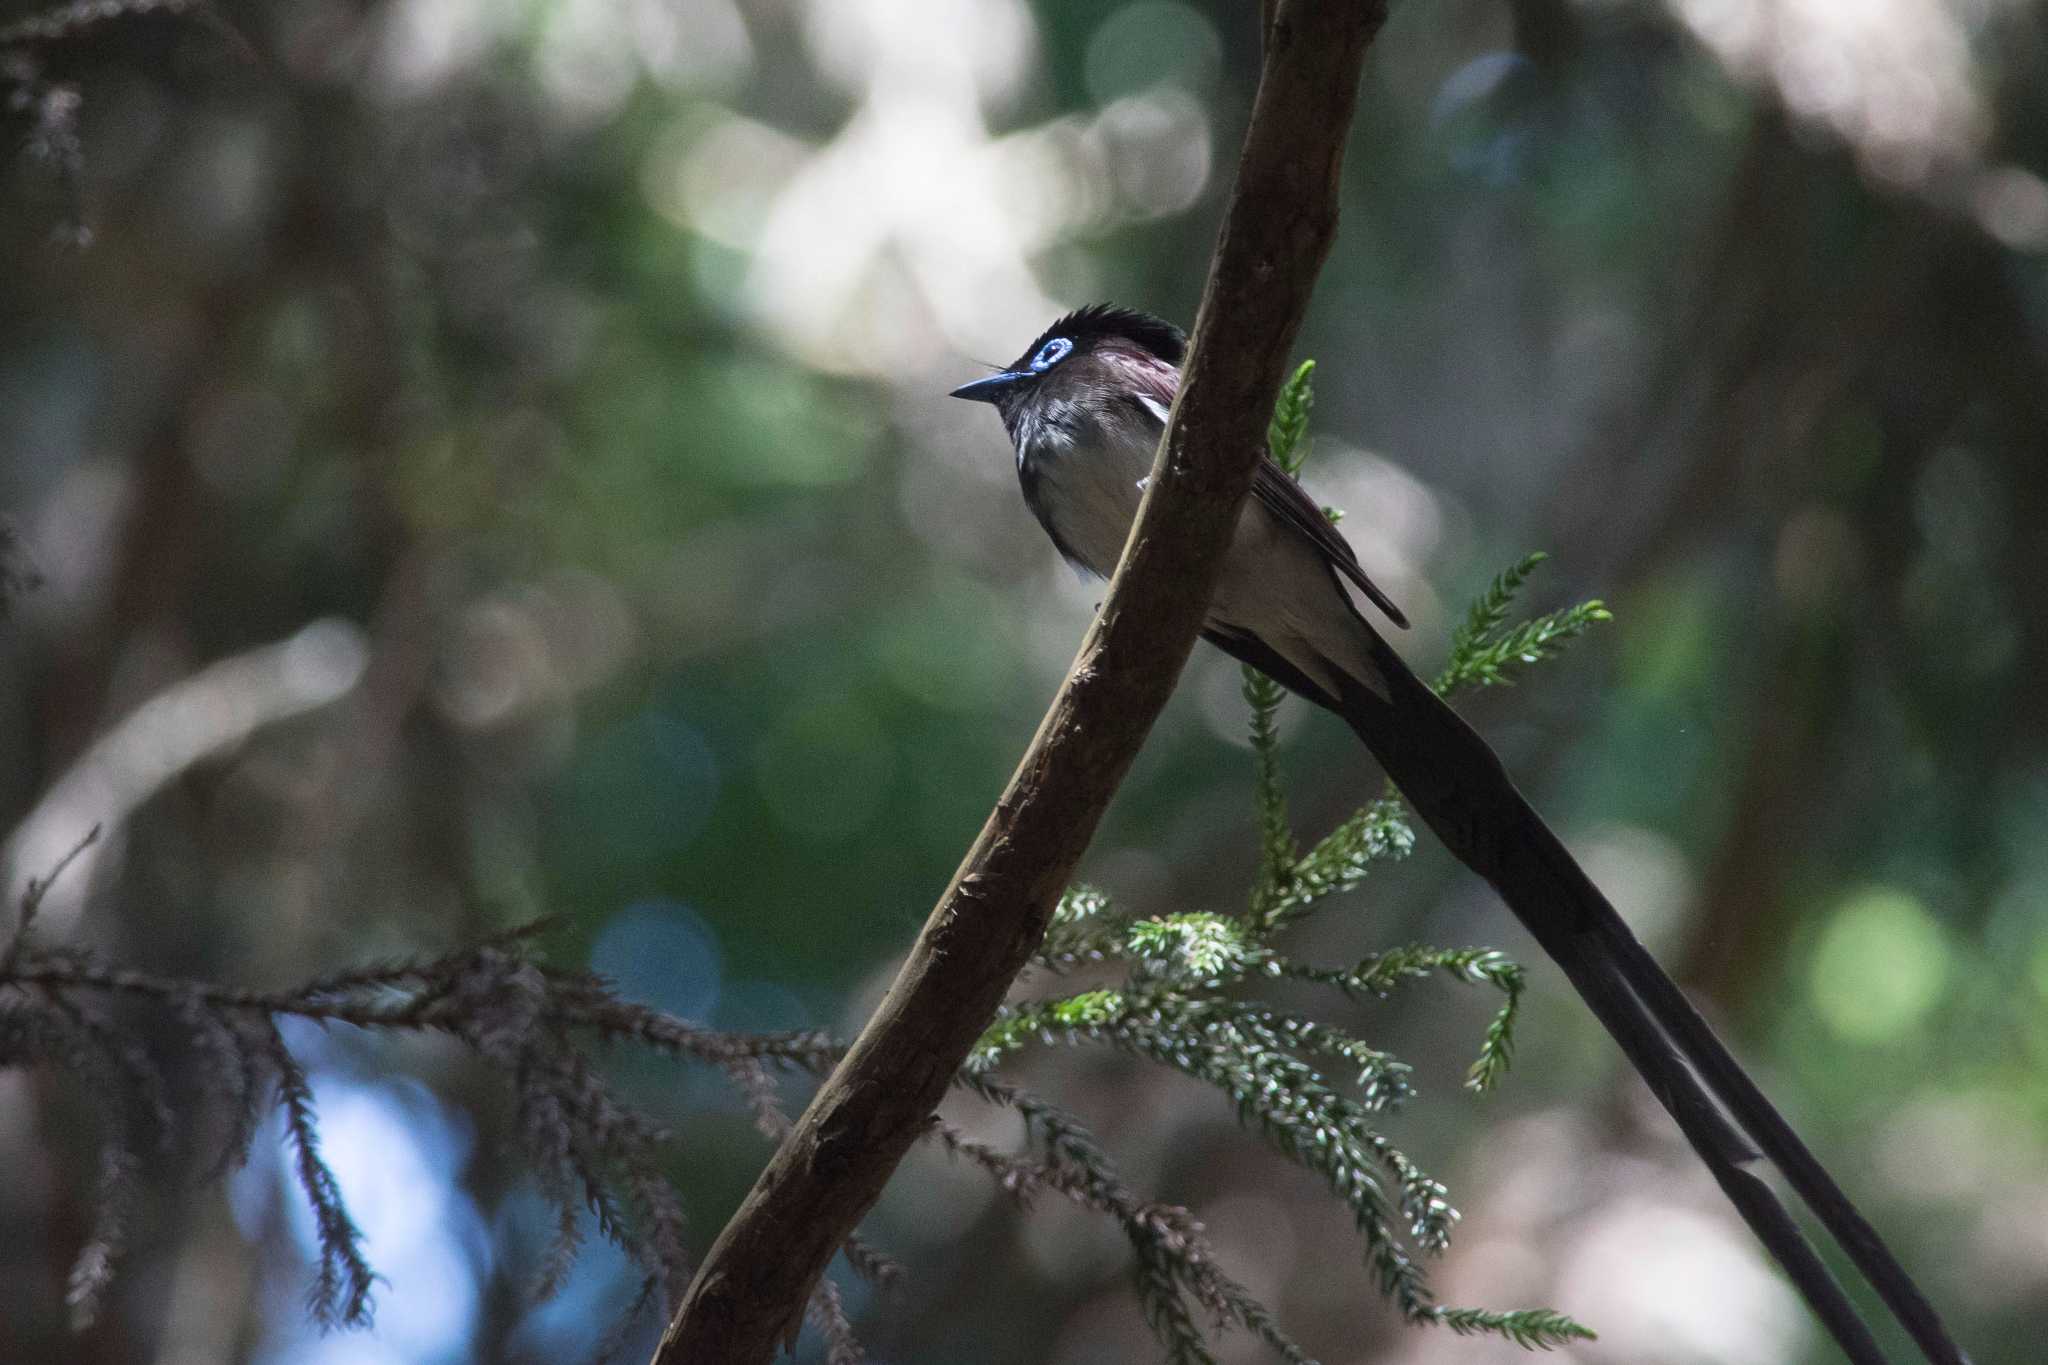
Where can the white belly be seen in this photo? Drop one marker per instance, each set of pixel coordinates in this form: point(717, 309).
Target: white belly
point(1274, 583)
point(1094, 498)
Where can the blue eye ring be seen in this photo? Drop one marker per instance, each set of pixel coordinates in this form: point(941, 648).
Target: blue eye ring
point(1050, 354)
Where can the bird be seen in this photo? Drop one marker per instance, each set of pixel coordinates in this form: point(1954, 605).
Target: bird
point(1084, 406)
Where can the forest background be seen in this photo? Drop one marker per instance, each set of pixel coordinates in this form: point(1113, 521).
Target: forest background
point(470, 461)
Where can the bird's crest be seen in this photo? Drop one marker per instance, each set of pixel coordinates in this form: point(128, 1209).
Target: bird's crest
point(1100, 320)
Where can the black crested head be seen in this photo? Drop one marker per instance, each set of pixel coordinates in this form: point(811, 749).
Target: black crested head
point(1101, 321)
point(1079, 332)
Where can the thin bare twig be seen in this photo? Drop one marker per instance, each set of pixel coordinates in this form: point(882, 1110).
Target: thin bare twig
point(32, 899)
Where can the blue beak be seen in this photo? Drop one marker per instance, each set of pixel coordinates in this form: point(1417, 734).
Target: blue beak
point(991, 389)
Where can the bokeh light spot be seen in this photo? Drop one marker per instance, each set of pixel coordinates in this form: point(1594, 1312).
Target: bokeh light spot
point(398, 1153)
point(1476, 116)
point(1150, 43)
point(662, 953)
point(1881, 965)
point(1158, 145)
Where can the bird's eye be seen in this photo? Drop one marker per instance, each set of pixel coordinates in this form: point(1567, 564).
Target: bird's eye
point(1051, 354)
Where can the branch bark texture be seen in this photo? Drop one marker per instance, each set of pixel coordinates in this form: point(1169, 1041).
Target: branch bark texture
point(749, 1295)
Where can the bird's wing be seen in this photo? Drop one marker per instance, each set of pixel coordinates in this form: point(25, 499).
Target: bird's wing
point(1275, 490)
point(1279, 494)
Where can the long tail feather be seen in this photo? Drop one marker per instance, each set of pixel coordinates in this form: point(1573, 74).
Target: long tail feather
point(1460, 789)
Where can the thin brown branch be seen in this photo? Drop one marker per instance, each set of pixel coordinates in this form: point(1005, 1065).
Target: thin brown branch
point(32, 899)
point(751, 1291)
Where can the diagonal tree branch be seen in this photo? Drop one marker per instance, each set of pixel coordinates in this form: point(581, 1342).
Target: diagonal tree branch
point(752, 1288)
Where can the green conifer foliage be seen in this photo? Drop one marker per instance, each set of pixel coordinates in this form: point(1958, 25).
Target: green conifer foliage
point(1188, 999)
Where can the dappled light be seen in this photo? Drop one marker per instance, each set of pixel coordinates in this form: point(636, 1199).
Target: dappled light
point(466, 463)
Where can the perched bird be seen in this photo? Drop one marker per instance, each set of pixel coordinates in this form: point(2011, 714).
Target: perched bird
point(1085, 405)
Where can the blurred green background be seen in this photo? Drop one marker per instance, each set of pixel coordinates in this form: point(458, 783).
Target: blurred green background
point(492, 458)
